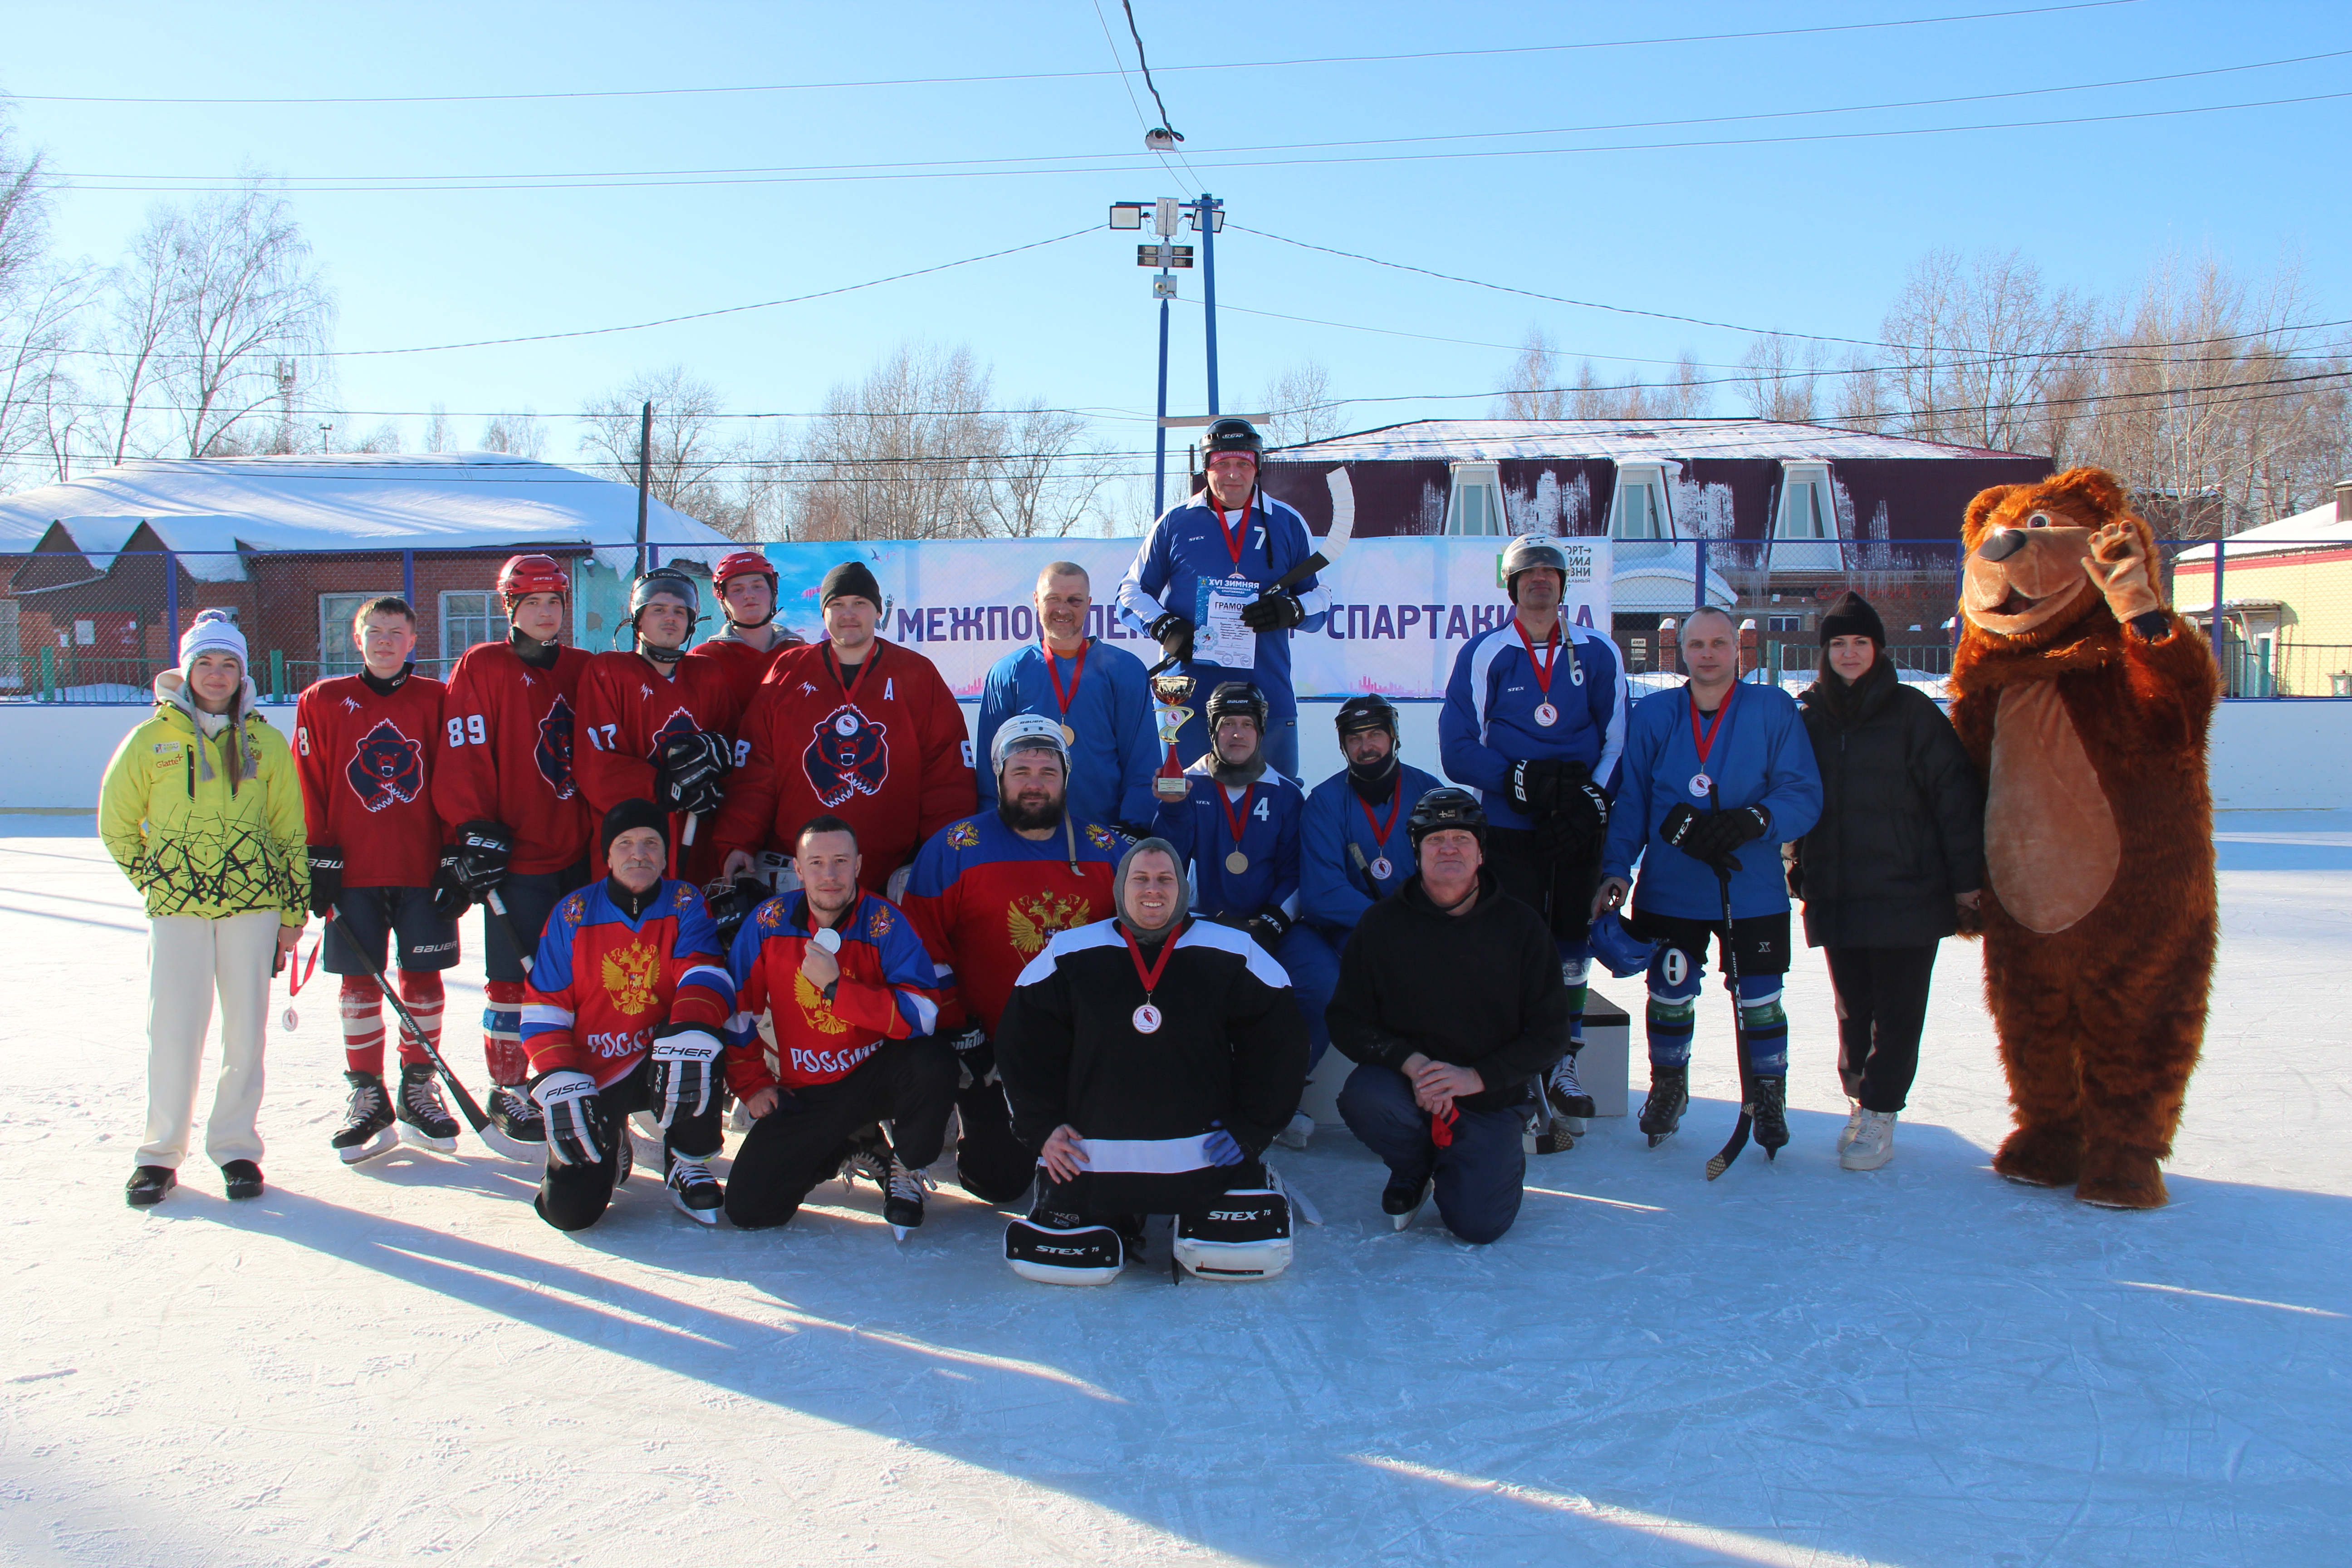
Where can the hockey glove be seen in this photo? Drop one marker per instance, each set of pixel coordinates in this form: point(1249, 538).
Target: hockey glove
point(680, 1077)
point(578, 1131)
point(1565, 836)
point(1173, 633)
point(689, 777)
point(731, 904)
point(1710, 838)
point(1220, 1146)
point(975, 1058)
point(1269, 926)
point(484, 850)
point(1538, 783)
point(1273, 613)
point(450, 899)
point(326, 878)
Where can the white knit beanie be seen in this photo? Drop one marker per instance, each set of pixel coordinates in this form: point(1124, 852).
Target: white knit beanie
point(213, 632)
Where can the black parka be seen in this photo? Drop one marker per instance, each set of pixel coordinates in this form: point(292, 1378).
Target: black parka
point(1902, 823)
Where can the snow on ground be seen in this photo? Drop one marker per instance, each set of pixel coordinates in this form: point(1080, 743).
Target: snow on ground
point(1796, 1364)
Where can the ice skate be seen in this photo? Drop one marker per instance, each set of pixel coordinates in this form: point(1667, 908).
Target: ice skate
point(1662, 1113)
point(367, 1129)
point(902, 1199)
point(513, 1114)
point(1569, 1103)
point(693, 1188)
point(1771, 1111)
point(1402, 1199)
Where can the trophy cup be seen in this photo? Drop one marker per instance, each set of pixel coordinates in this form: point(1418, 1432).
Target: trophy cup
point(1171, 690)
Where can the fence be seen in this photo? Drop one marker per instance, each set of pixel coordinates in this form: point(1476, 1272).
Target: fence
point(85, 628)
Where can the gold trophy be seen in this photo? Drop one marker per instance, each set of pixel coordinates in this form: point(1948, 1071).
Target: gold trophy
point(1171, 690)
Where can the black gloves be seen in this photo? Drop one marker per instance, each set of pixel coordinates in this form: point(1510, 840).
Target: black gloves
point(975, 1057)
point(1269, 926)
point(579, 1130)
point(1537, 783)
point(326, 878)
point(484, 848)
point(1173, 633)
point(450, 899)
point(731, 904)
point(1711, 836)
point(1273, 613)
point(689, 777)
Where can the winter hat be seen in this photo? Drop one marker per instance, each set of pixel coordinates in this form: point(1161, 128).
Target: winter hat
point(624, 817)
point(1159, 845)
point(1852, 617)
point(850, 579)
point(213, 632)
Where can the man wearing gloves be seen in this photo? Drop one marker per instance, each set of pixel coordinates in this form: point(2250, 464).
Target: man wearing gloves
point(1716, 776)
point(1148, 1060)
point(202, 809)
point(625, 1009)
point(1450, 998)
point(1534, 721)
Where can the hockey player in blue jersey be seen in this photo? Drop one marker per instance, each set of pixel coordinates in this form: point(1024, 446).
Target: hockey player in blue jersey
point(1534, 722)
point(1738, 755)
point(1202, 587)
point(1238, 828)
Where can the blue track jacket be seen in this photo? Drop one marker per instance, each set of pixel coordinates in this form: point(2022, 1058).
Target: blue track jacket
point(1117, 745)
point(1334, 888)
point(1489, 719)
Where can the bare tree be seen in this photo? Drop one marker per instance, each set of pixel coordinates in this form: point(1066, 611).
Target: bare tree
point(1783, 379)
point(1044, 481)
point(1981, 352)
point(691, 459)
point(1531, 390)
point(1301, 404)
point(438, 435)
point(39, 301)
point(907, 453)
point(520, 434)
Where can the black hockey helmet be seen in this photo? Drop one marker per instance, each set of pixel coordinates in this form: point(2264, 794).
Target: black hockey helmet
point(665, 582)
point(1447, 805)
point(1526, 555)
point(1233, 697)
point(1232, 436)
point(1367, 710)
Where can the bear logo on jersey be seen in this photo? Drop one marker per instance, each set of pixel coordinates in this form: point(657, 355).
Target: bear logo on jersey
point(849, 755)
point(387, 767)
point(554, 754)
point(680, 723)
point(1030, 924)
point(629, 975)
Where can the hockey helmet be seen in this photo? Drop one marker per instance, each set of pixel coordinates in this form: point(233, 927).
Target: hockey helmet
point(1527, 555)
point(1447, 805)
point(1232, 436)
point(665, 582)
point(738, 562)
point(1236, 697)
point(1028, 731)
point(1367, 711)
point(526, 574)
point(1624, 954)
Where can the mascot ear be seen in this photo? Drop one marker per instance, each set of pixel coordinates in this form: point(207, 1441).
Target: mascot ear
point(1988, 501)
point(2094, 490)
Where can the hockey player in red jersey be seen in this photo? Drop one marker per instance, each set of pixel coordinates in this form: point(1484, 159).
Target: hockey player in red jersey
point(849, 994)
point(502, 776)
point(658, 723)
point(627, 1002)
point(376, 859)
point(854, 726)
point(987, 895)
point(748, 647)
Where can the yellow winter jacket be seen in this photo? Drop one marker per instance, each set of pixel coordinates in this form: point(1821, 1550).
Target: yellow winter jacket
point(197, 830)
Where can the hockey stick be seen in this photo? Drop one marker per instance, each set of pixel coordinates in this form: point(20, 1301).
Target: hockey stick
point(1342, 530)
point(497, 907)
point(1731, 1151)
point(408, 1021)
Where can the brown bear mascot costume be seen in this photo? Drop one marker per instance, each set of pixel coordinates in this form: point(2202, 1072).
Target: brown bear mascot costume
point(2085, 701)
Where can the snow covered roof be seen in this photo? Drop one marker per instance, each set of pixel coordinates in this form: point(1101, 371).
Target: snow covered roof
point(439, 501)
point(2302, 532)
point(1615, 440)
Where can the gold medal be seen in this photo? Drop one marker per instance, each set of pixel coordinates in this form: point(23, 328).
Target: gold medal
point(1237, 862)
point(1069, 736)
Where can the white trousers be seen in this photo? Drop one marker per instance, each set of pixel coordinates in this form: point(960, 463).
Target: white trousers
point(188, 959)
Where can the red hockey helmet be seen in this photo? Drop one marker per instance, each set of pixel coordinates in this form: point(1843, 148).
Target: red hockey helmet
point(737, 563)
point(532, 575)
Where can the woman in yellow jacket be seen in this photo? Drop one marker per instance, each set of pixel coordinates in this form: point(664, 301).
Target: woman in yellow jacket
point(202, 809)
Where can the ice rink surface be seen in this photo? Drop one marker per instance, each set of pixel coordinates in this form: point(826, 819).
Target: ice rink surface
point(1794, 1365)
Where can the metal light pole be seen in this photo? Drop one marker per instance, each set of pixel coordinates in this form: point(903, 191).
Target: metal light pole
point(645, 471)
point(1207, 214)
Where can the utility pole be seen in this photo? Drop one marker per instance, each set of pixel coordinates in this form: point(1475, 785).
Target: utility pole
point(1208, 214)
point(645, 477)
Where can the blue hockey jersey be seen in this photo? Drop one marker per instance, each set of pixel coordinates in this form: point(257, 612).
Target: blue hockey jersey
point(1200, 826)
point(1115, 749)
point(1342, 846)
point(1489, 720)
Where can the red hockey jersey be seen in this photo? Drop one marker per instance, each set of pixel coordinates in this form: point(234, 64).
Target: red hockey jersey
point(503, 754)
point(744, 666)
point(604, 983)
point(886, 754)
point(884, 993)
point(364, 758)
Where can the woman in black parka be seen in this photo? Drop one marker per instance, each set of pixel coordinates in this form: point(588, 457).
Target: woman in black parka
point(1897, 854)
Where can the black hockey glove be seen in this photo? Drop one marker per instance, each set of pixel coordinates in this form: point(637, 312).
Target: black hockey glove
point(1273, 613)
point(578, 1131)
point(326, 878)
point(1538, 783)
point(1710, 838)
point(450, 899)
point(683, 1077)
point(690, 776)
point(975, 1057)
point(1565, 836)
point(484, 850)
point(1173, 633)
point(731, 904)
point(1269, 926)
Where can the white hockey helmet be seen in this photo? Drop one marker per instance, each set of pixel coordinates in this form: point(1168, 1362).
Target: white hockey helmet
point(1028, 730)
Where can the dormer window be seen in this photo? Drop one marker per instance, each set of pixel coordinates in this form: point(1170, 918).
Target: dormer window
point(1476, 507)
point(1805, 528)
point(1639, 509)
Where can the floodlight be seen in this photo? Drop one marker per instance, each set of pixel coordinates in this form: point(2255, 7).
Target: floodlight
point(1127, 214)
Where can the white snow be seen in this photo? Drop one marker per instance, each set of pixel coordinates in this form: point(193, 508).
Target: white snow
point(1638, 440)
point(1794, 1365)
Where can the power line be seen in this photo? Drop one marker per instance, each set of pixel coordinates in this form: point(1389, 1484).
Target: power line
point(1079, 74)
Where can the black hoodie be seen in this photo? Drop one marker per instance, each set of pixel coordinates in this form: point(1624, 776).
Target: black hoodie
point(1479, 989)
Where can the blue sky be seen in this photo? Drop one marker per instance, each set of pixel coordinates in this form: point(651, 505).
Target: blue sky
point(1801, 235)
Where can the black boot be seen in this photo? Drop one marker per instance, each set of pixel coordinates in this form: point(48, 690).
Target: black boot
point(243, 1178)
point(1771, 1100)
point(1662, 1113)
point(147, 1185)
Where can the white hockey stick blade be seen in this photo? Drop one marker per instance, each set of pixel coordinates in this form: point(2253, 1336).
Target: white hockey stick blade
point(1343, 513)
point(1299, 1200)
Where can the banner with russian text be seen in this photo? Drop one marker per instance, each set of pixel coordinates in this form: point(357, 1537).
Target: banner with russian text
point(1401, 608)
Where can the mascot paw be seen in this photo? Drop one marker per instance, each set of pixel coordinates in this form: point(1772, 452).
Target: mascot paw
point(2114, 1177)
point(2040, 1156)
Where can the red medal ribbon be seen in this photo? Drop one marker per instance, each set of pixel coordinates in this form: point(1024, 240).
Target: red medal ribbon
point(1236, 820)
point(1233, 537)
point(1396, 804)
point(1150, 977)
point(1078, 673)
point(1704, 740)
point(849, 688)
point(1551, 655)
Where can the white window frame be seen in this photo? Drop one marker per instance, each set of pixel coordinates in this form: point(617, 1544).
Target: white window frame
point(1485, 476)
point(337, 656)
point(1650, 477)
point(493, 620)
point(1818, 547)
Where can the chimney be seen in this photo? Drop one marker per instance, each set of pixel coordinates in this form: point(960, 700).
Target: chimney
point(2344, 500)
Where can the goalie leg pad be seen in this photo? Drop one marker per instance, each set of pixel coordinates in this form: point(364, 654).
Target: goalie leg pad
point(1244, 1235)
point(1054, 1255)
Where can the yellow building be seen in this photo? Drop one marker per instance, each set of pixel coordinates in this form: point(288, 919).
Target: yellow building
point(2285, 591)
